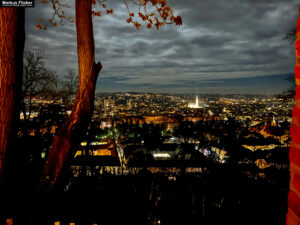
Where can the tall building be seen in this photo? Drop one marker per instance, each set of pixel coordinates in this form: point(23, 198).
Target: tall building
point(108, 106)
point(197, 105)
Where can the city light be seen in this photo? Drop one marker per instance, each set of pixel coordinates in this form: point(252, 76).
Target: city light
point(161, 155)
point(99, 143)
point(197, 105)
point(84, 143)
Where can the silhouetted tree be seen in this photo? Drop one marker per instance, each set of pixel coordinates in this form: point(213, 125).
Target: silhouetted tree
point(290, 93)
point(37, 81)
point(69, 86)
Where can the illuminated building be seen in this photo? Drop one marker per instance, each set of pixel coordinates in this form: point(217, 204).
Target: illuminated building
point(197, 105)
point(108, 107)
point(101, 153)
point(273, 123)
point(161, 155)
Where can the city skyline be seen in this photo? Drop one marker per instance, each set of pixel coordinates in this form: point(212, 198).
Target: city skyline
point(223, 47)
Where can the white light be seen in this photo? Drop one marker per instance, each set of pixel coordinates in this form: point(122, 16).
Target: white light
point(98, 143)
point(83, 143)
point(161, 155)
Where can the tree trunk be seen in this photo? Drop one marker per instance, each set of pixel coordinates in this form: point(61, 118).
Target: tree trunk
point(77, 123)
point(12, 37)
point(293, 215)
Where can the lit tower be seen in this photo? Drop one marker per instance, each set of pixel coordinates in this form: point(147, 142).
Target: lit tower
point(196, 105)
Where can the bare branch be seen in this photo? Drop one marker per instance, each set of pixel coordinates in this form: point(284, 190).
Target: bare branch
point(291, 36)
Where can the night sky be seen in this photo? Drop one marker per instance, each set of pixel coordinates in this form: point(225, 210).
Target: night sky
point(223, 46)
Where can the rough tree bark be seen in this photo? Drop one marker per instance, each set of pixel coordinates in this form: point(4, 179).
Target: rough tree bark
point(293, 215)
point(77, 123)
point(12, 37)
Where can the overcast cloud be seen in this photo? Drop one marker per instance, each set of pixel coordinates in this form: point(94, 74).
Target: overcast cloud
point(221, 42)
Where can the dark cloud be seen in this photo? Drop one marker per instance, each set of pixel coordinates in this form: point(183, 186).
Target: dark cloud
point(219, 40)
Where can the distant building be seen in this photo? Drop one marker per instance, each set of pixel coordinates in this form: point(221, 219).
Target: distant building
point(108, 107)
